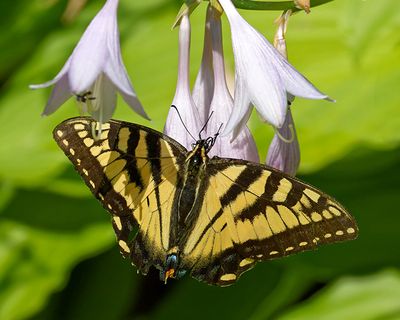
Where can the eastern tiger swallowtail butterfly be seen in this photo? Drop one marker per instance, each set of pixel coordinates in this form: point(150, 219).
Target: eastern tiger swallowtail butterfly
point(180, 211)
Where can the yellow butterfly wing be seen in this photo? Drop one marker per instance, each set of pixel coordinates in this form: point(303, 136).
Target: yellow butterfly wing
point(252, 212)
point(133, 171)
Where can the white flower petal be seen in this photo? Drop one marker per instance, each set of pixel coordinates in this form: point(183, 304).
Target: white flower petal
point(266, 92)
point(96, 65)
point(59, 95)
point(284, 155)
point(263, 73)
point(91, 53)
point(115, 67)
point(133, 101)
point(189, 115)
point(203, 88)
point(296, 84)
point(240, 108)
point(175, 125)
point(105, 99)
point(243, 146)
point(57, 78)
point(242, 123)
point(116, 71)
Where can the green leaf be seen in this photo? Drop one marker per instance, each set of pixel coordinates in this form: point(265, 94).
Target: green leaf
point(233, 302)
point(102, 287)
point(42, 237)
point(354, 298)
point(294, 282)
point(24, 34)
point(6, 194)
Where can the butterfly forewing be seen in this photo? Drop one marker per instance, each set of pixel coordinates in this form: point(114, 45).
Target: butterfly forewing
point(255, 213)
point(133, 171)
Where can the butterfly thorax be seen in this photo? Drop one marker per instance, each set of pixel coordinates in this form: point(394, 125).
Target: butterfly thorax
point(193, 178)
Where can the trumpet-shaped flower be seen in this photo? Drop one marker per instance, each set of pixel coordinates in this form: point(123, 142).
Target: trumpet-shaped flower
point(263, 76)
point(184, 112)
point(203, 88)
point(243, 146)
point(284, 151)
point(95, 71)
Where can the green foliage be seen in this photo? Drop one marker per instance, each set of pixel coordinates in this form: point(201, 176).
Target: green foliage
point(42, 236)
point(372, 297)
point(55, 239)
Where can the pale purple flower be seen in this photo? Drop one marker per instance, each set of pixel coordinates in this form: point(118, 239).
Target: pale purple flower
point(203, 88)
point(183, 100)
point(243, 146)
point(284, 151)
point(95, 71)
point(263, 76)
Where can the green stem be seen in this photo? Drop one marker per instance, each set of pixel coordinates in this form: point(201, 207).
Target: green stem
point(272, 5)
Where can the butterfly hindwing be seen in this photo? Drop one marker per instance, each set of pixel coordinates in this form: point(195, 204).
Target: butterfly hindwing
point(133, 171)
point(253, 213)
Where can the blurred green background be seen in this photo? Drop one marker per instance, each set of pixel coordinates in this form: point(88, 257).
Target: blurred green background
point(58, 258)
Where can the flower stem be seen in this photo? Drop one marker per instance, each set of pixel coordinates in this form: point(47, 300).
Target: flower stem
point(272, 5)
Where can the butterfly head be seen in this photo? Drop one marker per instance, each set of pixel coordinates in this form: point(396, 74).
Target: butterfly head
point(198, 156)
point(205, 144)
point(171, 268)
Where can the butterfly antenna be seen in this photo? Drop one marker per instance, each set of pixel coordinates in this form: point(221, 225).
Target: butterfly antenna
point(205, 125)
point(219, 130)
point(217, 134)
point(172, 106)
point(211, 140)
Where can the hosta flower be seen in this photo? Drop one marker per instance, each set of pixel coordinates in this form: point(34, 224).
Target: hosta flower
point(95, 71)
point(263, 76)
point(203, 88)
point(183, 101)
point(243, 146)
point(284, 151)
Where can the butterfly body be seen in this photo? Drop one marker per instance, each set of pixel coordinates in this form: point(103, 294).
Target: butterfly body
point(213, 218)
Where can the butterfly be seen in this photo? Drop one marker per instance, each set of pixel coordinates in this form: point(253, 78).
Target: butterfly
point(183, 212)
